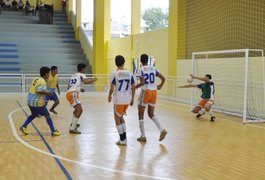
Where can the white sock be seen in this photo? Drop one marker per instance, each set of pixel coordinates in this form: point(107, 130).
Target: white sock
point(141, 124)
point(201, 112)
point(74, 123)
point(211, 113)
point(157, 123)
point(123, 127)
point(119, 129)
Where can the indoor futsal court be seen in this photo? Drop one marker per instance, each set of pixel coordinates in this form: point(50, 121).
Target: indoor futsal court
point(135, 90)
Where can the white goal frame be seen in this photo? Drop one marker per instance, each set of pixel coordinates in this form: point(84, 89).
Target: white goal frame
point(246, 66)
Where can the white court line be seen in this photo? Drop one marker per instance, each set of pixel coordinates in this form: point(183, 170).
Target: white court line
point(70, 160)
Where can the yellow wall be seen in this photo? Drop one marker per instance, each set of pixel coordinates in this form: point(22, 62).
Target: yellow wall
point(122, 47)
point(153, 43)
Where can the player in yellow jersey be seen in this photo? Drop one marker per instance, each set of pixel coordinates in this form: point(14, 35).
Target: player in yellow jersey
point(36, 101)
point(52, 83)
point(122, 87)
point(148, 96)
point(72, 95)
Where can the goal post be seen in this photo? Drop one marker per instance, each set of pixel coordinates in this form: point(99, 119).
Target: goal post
point(239, 77)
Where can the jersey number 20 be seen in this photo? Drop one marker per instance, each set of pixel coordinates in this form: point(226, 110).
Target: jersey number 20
point(149, 78)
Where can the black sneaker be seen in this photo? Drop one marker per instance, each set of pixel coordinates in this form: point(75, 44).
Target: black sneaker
point(74, 131)
point(53, 111)
point(199, 115)
point(212, 119)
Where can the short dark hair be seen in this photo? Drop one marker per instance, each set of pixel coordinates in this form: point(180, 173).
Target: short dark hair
point(119, 60)
point(80, 66)
point(44, 70)
point(144, 59)
point(209, 76)
point(54, 68)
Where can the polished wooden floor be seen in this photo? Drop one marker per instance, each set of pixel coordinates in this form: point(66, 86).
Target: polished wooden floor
point(193, 149)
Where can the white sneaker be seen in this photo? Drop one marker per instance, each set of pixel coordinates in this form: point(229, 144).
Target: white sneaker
point(121, 143)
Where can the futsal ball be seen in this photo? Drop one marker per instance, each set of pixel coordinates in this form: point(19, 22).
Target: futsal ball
point(189, 80)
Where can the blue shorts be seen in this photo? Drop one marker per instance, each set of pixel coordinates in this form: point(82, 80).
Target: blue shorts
point(53, 97)
point(36, 111)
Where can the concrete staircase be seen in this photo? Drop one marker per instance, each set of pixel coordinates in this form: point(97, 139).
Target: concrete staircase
point(26, 45)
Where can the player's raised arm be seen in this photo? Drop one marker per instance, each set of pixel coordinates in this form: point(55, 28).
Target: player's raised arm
point(206, 78)
point(89, 81)
point(163, 80)
point(188, 86)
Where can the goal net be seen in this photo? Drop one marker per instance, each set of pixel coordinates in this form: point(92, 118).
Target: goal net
point(239, 77)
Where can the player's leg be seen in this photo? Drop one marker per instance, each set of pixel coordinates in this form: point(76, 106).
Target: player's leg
point(55, 99)
point(44, 112)
point(119, 111)
point(73, 98)
point(151, 110)
point(141, 109)
point(77, 113)
point(208, 108)
point(29, 119)
point(163, 132)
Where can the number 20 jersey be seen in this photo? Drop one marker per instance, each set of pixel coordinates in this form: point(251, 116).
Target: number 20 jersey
point(123, 80)
point(149, 74)
point(76, 81)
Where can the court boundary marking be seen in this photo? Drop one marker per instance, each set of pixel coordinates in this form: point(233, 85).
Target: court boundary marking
point(59, 163)
point(15, 134)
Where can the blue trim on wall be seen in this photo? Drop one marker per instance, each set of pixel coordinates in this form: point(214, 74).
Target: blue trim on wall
point(9, 63)
point(8, 56)
point(8, 50)
point(10, 69)
point(7, 45)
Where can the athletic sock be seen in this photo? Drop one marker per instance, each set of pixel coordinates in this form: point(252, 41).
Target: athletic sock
point(201, 112)
point(124, 130)
point(50, 123)
point(211, 113)
point(157, 123)
point(28, 120)
point(120, 131)
point(74, 123)
point(141, 124)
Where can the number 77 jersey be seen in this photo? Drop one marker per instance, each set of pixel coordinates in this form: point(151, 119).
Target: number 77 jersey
point(149, 74)
point(123, 80)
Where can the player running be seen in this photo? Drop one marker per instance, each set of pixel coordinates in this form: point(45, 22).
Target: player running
point(123, 89)
point(36, 101)
point(52, 83)
point(207, 96)
point(148, 96)
point(72, 95)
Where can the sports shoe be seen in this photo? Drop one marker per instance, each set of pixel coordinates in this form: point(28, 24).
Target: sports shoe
point(163, 135)
point(199, 115)
point(24, 130)
point(77, 125)
point(141, 139)
point(56, 133)
point(212, 119)
point(75, 131)
point(53, 111)
point(121, 143)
